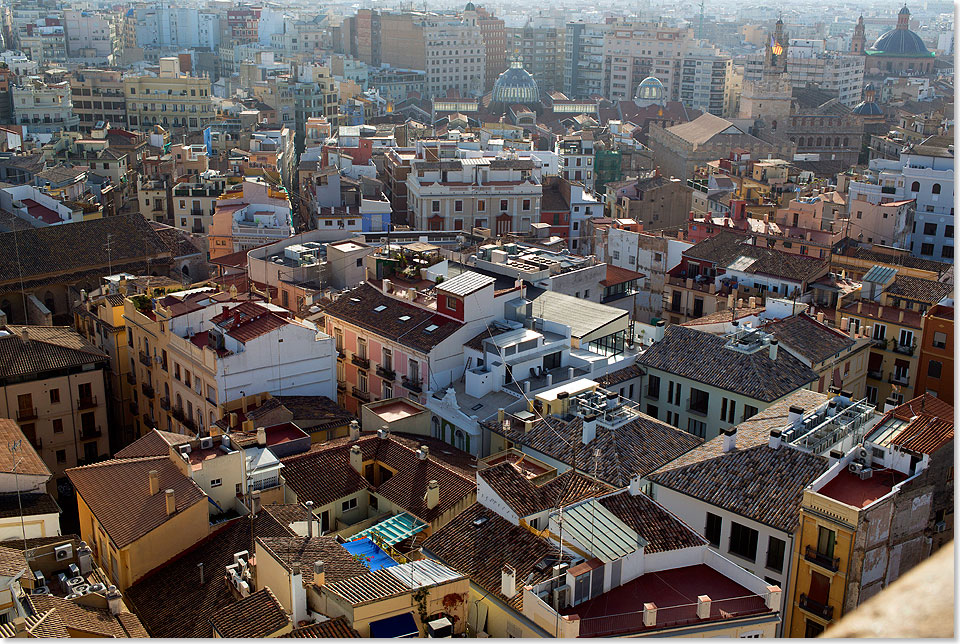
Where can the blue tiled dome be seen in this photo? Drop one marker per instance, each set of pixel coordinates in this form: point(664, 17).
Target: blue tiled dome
point(899, 42)
point(649, 92)
point(864, 108)
point(516, 85)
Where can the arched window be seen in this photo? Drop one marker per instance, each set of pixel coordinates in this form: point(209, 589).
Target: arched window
point(460, 439)
point(819, 141)
point(435, 428)
point(846, 140)
point(836, 141)
point(936, 189)
point(185, 270)
point(179, 402)
point(915, 186)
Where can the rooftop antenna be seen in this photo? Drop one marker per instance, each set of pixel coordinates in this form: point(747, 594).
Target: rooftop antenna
point(14, 447)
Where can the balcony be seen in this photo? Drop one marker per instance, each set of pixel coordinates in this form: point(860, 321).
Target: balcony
point(86, 402)
point(89, 433)
point(903, 379)
point(132, 378)
point(415, 386)
point(880, 343)
point(830, 563)
point(814, 607)
point(360, 394)
point(905, 349)
point(190, 424)
point(178, 414)
point(341, 353)
point(147, 390)
point(145, 360)
point(876, 375)
point(385, 373)
point(149, 421)
point(28, 413)
point(363, 363)
point(164, 403)
point(341, 386)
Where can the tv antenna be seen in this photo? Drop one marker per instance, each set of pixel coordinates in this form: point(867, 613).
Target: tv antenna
point(14, 447)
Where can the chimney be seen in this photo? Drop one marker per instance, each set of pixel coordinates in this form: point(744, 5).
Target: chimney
point(154, 477)
point(900, 317)
point(114, 600)
point(200, 566)
point(649, 614)
point(589, 429)
point(261, 437)
point(635, 485)
point(703, 606)
point(753, 302)
point(844, 324)
point(319, 574)
point(729, 439)
point(19, 627)
point(298, 594)
point(383, 433)
point(508, 581)
point(309, 507)
point(501, 414)
point(433, 494)
point(354, 431)
point(774, 595)
point(820, 317)
point(234, 419)
point(527, 426)
point(356, 459)
point(835, 455)
point(247, 426)
point(859, 306)
point(775, 439)
point(739, 302)
point(25, 335)
point(774, 346)
point(423, 453)
point(889, 404)
point(796, 415)
point(171, 502)
point(659, 330)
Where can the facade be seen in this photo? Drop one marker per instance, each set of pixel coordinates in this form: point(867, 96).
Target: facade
point(540, 48)
point(584, 59)
point(899, 51)
point(866, 520)
point(98, 97)
point(494, 37)
point(247, 215)
point(935, 376)
point(29, 510)
point(577, 153)
point(455, 55)
point(44, 108)
point(655, 202)
point(55, 386)
point(89, 36)
point(706, 80)
point(194, 200)
point(173, 99)
point(633, 52)
point(840, 74)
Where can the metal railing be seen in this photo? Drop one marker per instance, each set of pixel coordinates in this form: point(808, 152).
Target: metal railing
point(147, 390)
point(823, 611)
point(899, 380)
point(830, 563)
point(385, 373)
point(876, 375)
point(164, 403)
point(364, 363)
point(412, 385)
point(145, 359)
point(26, 413)
point(361, 394)
point(86, 402)
point(904, 349)
point(90, 432)
point(132, 378)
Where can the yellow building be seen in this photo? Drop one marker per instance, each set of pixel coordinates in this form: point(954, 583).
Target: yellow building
point(170, 99)
point(160, 514)
point(53, 383)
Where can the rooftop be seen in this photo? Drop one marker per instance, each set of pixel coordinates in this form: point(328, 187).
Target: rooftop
point(851, 489)
point(259, 614)
point(921, 426)
point(808, 338)
point(526, 498)
point(29, 351)
point(28, 458)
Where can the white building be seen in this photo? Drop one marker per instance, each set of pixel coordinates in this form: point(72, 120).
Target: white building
point(706, 79)
point(35, 207)
point(840, 73)
point(455, 54)
point(44, 108)
point(88, 36)
point(19, 64)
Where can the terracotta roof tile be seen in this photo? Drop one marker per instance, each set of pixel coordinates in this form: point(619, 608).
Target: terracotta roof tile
point(337, 627)
point(257, 615)
point(98, 622)
point(919, 289)
point(12, 562)
point(31, 462)
point(98, 483)
point(726, 247)
point(32, 504)
point(338, 563)
point(929, 424)
point(810, 339)
point(702, 357)
point(620, 375)
point(155, 443)
point(526, 498)
point(47, 348)
point(662, 530)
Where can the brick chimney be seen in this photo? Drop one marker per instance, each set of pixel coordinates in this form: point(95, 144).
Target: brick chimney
point(171, 502)
point(154, 477)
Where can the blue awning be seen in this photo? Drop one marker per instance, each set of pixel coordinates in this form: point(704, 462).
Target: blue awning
point(396, 626)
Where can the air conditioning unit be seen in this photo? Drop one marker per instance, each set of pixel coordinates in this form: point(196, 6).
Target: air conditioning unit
point(560, 598)
point(206, 442)
point(854, 467)
point(940, 526)
point(40, 590)
point(63, 552)
point(866, 473)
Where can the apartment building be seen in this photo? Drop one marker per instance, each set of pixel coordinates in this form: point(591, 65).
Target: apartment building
point(44, 108)
point(584, 60)
point(935, 366)
point(89, 36)
point(745, 372)
point(455, 55)
point(200, 349)
point(577, 153)
point(706, 80)
point(44, 40)
point(98, 97)
point(494, 37)
point(54, 384)
point(501, 194)
point(195, 199)
point(840, 74)
point(540, 49)
point(172, 99)
point(247, 215)
point(870, 517)
point(23, 485)
point(633, 52)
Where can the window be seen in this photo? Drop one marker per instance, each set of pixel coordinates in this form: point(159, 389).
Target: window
point(813, 629)
point(653, 387)
point(362, 348)
point(926, 249)
point(503, 204)
point(216, 482)
point(481, 205)
point(699, 401)
point(939, 339)
point(929, 229)
point(775, 550)
point(458, 205)
point(934, 368)
point(935, 189)
point(948, 231)
point(915, 186)
point(435, 206)
point(54, 396)
point(743, 541)
point(879, 331)
point(749, 411)
point(362, 382)
point(526, 204)
point(727, 410)
point(826, 541)
point(696, 427)
point(652, 411)
point(61, 456)
point(348, 505)
point(713, 528)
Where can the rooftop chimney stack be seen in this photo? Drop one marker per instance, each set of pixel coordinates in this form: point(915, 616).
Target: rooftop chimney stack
point(423, 453)
point(261, 437)
point(659, 330)
point(729, 439)
point(383, 433)
point(234, 419)
point(154, 477)
point(354, 431)
point(589, 429)
point(200, 566)
point(433, 494)
point(508, 580)
point(844, 324)
point(114, 600)
point(820, 317)
point(796, 415)
point(319, 573)
point(775, 439)
point(25, 335)
point(774, 347)
point(20, 627)
point(171, 502)
point(309, 507)
point(356, 458)
point(255, 503)
point(635, 485)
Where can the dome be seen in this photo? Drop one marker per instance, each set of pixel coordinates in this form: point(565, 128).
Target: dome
point(649, 92)
point(899, 42)
point(864, 108)
point(516, 85)
point(470, 7)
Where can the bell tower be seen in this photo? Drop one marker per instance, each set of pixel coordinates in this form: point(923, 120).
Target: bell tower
point(859, 41)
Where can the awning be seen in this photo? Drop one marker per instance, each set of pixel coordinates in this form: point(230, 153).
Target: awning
point(394, 530)
point(397, 626)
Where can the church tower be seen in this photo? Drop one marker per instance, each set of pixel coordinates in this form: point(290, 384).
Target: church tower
point(767, 101)
point(775, 55)
point(859, 41)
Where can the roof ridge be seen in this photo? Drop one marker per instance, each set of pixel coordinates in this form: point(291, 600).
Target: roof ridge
point(120, 461)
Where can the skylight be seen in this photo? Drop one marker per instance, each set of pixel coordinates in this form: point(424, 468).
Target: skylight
point(404, 318)
point(431, 328)
point(380, 308)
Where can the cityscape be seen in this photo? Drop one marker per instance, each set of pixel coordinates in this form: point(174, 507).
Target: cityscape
point(475, 320)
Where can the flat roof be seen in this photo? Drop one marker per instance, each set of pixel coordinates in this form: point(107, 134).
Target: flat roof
point(397, 410)
point(850, 489)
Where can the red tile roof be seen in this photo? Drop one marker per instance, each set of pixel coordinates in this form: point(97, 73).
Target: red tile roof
point(616, 275)
point(930, 424)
